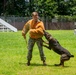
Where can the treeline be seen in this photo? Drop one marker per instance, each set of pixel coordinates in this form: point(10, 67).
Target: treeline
point(50, 8)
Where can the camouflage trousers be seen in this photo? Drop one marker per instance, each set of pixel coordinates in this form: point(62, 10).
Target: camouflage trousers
point(31, 44)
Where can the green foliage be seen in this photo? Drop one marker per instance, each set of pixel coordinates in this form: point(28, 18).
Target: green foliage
point(13, 52)
point(66, 18)
point(46, 8)
point(1, 7)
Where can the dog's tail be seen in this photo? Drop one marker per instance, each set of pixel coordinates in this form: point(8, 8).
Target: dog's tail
point(72, 56)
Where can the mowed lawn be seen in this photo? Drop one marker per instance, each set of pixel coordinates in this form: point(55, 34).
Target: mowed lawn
point(13, 52)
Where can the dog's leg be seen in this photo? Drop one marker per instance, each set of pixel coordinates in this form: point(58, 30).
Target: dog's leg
point(61, 64)
point(47, 47)
point(45, 42)
point(63, 58)
point(61, 61)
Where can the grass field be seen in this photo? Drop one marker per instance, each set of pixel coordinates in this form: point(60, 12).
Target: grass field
point(13, 52)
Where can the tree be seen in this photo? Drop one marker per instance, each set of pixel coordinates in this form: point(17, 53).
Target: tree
point(2, 6)
point(15, 7)
point(45, 8)
point(66, 7)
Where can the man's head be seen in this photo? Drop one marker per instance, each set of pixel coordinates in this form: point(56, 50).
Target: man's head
point(47, 35)
point(35, 16)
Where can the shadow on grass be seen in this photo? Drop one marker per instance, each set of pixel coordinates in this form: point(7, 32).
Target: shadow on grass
point(36, 64)
point(33, 64)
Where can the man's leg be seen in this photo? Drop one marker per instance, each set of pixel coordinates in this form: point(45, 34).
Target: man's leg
point(31, 43)
point(40, 47)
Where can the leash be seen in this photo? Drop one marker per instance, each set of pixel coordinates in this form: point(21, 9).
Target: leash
point(26, 42)
point(20, 62)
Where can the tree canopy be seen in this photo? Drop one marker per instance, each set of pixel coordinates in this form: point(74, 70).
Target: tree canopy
point(49, 8)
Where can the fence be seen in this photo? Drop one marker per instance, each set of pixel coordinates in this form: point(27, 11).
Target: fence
point(50, 24)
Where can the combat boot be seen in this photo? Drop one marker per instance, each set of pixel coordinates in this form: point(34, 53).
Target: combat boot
point(44, 63)
point(28, 63)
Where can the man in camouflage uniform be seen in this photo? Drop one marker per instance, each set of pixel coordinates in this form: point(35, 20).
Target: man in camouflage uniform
point(35, 28)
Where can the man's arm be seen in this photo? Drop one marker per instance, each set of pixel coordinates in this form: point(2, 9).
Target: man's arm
point(25, 30)
point(38, 30)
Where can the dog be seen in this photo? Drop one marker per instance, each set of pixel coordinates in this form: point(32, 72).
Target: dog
point(56, 47)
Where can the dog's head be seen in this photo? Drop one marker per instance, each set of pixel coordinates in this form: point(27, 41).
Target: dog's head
point(47, 35)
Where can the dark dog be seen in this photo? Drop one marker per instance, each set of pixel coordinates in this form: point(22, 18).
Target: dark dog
point(56, 47)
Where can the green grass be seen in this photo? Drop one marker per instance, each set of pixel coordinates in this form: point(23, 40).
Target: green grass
point(13, 52)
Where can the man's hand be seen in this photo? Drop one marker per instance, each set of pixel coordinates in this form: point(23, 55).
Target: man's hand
point(24, 35)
